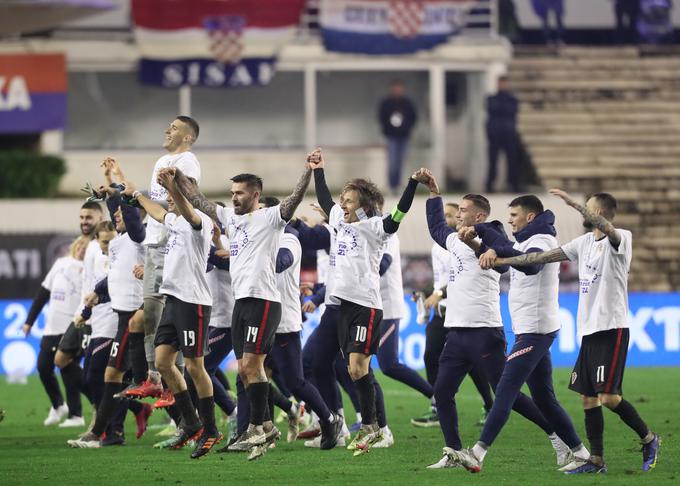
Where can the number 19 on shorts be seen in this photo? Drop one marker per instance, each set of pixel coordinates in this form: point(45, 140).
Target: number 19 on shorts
point(189, 338)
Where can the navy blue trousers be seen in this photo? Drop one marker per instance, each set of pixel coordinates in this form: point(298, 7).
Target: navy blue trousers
point(94, 366)
point(388, 359)
point(464, 349)
point(529, 362)
point(286, 355)
point(220, 346)
point(325, 349)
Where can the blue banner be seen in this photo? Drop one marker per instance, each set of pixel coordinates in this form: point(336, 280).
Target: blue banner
point(208, 73)
point(654, 321)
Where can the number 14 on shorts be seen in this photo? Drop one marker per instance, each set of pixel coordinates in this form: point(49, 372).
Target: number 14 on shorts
point(251, 334)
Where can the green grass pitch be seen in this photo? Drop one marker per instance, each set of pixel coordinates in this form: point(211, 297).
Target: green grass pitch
point(33, 454)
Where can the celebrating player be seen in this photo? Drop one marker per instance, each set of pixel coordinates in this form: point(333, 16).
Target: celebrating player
point(603, 255)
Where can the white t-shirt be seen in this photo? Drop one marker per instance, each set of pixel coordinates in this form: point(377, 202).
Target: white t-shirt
point(441, 263)
point(253, 245)
point(336, 215)
point(104, 321)
point(603, 281)
point(186, 259)
point(188, 164)
point(219, 282)
point(321, 266)
point(289, 283)
point(473, 294)
point(360, 247)
point(64, 281)
point(126, 291)
point(533, 298)
point(391, 285)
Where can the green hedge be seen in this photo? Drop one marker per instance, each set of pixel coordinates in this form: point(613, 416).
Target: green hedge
point(27, 174)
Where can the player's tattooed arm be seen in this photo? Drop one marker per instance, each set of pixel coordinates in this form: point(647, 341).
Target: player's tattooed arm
point(551, 256)
point(189, 187)
point(290, 204)
point(595, 220)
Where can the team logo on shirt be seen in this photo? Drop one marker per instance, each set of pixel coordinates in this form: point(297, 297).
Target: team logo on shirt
point(240, 238)
point(348, 241)
point(173, 241)
point(457, 267)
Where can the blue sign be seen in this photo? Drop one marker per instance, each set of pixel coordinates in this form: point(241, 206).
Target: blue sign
point(207, 72)
point(654, 321)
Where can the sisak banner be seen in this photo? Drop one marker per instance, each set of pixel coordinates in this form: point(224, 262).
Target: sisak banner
point(212, 43)
point(32, 92)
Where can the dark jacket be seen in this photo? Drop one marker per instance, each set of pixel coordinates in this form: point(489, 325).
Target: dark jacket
point(397, 117)
point(543, 224)
point(501, 110)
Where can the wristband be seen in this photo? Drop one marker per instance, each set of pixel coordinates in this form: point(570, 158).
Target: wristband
point(397, 216)
point(136, 194)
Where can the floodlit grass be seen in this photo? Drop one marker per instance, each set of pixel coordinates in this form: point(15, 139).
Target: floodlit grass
point(33, 454)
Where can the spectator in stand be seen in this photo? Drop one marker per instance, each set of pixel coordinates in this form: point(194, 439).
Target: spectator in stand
point(397, 117)
point(508, 23)
point(543, 8)
point(501, 131)
point(655, 24)
point(626, 12)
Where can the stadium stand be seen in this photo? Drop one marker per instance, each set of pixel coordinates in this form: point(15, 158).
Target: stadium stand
point(608, 119)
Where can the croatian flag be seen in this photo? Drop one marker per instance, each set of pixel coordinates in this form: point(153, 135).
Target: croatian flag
point(214, 43)
point(390, 26)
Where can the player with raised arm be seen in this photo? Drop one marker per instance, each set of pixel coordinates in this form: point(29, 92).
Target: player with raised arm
point(535, 322)
point(254, 236)
point(124, 291)
point(180, 137)
point(286, 354)
point(435, 332)
point(186, 315)
point(361, 234)
point(603, 256)
point(475, 337)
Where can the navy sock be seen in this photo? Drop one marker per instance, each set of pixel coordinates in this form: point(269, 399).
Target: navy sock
point(106, 408)
point(366, 391)
point(595, 430)
point(206, 411)
point(258, 394)
point(631, 418)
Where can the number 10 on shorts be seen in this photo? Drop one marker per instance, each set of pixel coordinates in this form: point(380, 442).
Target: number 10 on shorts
point(361, 334)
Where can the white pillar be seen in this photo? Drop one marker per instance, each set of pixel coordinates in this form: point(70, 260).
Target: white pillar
point(185, 100)
point(310, 107)
point(52, 142)
point(438, 122)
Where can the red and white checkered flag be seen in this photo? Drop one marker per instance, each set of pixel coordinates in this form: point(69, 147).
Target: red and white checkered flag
point(406, 17)
point(226, 34)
